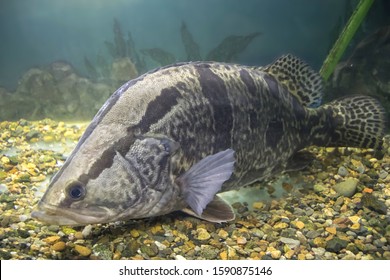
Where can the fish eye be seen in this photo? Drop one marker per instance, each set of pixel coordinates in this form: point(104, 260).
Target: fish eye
point(76, 190)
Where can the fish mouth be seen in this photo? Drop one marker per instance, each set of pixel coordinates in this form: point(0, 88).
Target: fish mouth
point(51, 214)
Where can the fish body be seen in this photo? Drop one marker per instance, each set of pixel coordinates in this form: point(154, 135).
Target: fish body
point(176, 136)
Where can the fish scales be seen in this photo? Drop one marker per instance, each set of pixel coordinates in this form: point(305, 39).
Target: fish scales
point(217, 122)
point(176, 136)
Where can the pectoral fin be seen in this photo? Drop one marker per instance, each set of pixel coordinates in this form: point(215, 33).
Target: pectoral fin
point(217, 211)
point(205, 178)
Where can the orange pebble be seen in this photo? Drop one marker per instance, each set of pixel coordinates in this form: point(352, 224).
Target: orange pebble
point(367, 190)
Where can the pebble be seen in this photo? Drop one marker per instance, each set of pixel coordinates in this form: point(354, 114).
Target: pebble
point(383, 174)
point(59, 246)
point(241, 240)
point(318, 251)
point(160, 246)
point(292, 243)
point(258, 233)
point(336, 244)
point(79, 235)
point(373, 203)
point(223, 234)
point(309, 256)
point(343, 171)
point(202, 234)
point(358, 165)
point(86, 232)
point(299, 224)
point(23, 218)
point(322, 176)
point(52, 239)
point(276, 254)
point(318, 188)
point(331, 230)
point(258, 205)
point(134, 233)
point(102, 250)
point(3, 188)
point(354, 219)
point(313, 234)
point(289, 254)
point(346, 188)
point(53, 228)
point(82, 250)
point(281, 225)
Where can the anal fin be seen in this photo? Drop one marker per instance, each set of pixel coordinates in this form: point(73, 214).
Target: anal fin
point(217, 211)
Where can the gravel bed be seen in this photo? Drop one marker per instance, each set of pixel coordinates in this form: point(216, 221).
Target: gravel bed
point(337, 208)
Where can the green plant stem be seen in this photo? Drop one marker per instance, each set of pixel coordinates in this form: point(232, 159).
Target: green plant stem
point(345, 37)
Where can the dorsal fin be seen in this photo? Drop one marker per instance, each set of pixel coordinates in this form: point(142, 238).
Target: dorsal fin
point(301, 81)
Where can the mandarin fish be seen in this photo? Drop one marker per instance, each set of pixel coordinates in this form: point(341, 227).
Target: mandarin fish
point(175, 137)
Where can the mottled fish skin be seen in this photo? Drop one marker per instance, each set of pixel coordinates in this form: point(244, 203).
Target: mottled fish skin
point(154, 128)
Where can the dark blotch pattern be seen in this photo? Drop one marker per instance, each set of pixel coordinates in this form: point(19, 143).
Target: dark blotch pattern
point(214, 90)
point(159, 107)
point(121, 146)
point(274, 133)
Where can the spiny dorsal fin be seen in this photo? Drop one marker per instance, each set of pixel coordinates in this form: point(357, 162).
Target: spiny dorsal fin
point(301, 81)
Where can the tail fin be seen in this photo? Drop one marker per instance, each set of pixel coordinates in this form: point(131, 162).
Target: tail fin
point(360, 122)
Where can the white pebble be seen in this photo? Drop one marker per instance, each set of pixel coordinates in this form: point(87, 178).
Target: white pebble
point(23, 218)
point(292, 243)
point(180, 258)
point(14, 226)
point(159, 245)
point(309, 256)
point(3, 189)
point(319, 251)
point(87, 231)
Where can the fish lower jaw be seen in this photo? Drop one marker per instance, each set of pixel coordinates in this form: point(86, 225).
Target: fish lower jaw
point(53, 215)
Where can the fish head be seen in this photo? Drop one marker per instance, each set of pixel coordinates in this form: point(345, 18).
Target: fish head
point(129, 180)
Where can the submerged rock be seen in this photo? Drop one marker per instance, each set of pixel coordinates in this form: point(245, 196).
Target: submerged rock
point(56, 92)
point(373, 203)
point(346, 188)
point(123, 70)
point(336, 244)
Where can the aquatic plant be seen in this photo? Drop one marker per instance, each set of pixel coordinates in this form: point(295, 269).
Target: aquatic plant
point(190, 46)
point(231, 47)
point(121, 47)
point(119, 41)
point(226, 51)
point(345, 37)
point(365, 71)
point(159, 55)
